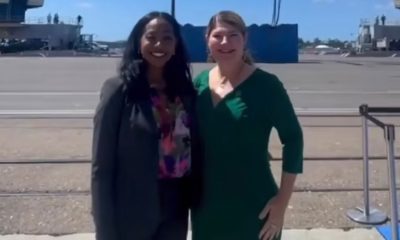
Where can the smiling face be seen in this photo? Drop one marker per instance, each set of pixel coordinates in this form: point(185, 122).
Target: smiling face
point(158, 42)
point(226, 42)
point(226, 38)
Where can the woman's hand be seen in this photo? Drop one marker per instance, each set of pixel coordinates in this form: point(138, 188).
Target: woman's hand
point(273, 213)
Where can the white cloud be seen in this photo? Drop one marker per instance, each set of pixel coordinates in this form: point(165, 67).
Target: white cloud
point(324, 1)
point(85, 5)
point(386, 6)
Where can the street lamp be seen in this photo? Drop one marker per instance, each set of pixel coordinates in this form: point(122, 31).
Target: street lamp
point(173, 8)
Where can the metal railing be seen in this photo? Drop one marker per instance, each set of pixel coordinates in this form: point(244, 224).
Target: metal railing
point(44, 20)
point(21, 19)
point(368, 215)
point(371, 22)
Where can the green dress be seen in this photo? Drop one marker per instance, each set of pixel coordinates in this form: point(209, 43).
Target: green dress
point(237, 180)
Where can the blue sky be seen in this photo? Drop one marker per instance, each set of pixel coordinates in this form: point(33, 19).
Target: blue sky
point(113, 20)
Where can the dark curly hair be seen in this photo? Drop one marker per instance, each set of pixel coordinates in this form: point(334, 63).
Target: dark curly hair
point(133, 67)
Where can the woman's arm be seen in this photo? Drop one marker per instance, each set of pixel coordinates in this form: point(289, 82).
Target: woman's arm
point(285, 121)
point(290, 133)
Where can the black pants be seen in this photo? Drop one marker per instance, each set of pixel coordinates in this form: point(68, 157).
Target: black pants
point(174, 210)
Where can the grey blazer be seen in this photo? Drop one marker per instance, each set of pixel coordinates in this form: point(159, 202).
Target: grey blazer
point(124, 185)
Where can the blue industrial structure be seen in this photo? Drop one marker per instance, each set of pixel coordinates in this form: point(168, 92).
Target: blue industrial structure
point(276, 43)
point(266, 43)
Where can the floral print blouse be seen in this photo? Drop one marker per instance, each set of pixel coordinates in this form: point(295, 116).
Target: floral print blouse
point(174, 136)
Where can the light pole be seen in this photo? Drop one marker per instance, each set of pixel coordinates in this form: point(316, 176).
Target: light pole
point(173, 8)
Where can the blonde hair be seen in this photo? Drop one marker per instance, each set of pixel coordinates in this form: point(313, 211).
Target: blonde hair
point(235, 20)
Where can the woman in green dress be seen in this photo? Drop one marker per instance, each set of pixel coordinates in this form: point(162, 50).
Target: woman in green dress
point(238, 105)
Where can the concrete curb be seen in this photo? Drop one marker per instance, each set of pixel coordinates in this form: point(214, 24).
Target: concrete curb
point(290, 234)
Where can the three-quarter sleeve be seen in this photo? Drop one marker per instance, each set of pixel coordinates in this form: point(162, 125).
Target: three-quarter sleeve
point(285, 121)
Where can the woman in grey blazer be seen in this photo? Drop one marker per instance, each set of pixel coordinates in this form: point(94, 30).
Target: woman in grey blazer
point(145, 142)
